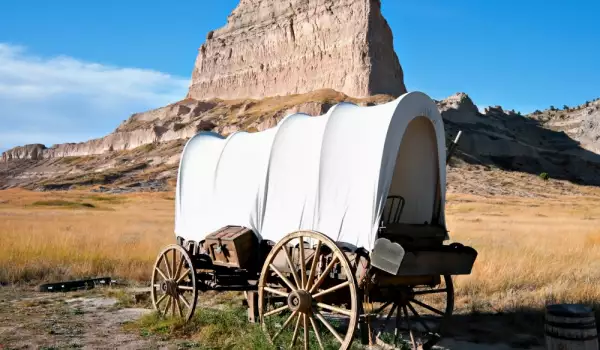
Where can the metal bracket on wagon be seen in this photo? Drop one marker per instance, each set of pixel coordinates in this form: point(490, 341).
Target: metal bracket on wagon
point(387, 255)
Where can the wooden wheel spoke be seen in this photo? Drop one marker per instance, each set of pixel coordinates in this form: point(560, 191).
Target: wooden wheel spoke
point(397, 330)
point(174, 262)
point(160, 273)
point(164, 313)
point(332, 289)
point(329, 327)
point(289, 261)
point(185, 288)
point(412, 337)
point(178, 306)
point(183, 275)
point(285, 279)
point(167, 264)
point(302, 266)
point(316, 330)
point(276, 291)
point(305, 330)
point(432, 309)
point(285, 324)
point(335, 309)
point(174, 301)
point(431, 291)
point(387, 318)
point(383, 307)
point(296, 328)
point(324, 275)
point(313, 266)
point(182, 299)
point(161, 299)
point(419, 318)
point(178, 270)
point(276, 311)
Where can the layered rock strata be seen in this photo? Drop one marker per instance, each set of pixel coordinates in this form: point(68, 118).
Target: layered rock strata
point(281, 47)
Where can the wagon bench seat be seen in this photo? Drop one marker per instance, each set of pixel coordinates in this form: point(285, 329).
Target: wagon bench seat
point(414, 236)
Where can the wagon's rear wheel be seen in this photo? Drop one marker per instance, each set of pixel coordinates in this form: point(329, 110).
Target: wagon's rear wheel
point(308, 296)
point(417, 314)
point(173, 286)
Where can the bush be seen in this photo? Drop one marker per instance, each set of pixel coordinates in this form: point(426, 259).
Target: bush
point(544, 176)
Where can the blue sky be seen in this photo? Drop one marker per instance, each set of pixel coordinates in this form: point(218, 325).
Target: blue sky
point(72, 70)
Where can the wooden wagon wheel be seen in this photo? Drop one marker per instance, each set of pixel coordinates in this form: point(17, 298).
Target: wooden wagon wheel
point(174, 283)
point(305, 300)
point(418, 313)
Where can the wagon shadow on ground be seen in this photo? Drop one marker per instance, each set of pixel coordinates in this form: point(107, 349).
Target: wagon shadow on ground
point(521, 328)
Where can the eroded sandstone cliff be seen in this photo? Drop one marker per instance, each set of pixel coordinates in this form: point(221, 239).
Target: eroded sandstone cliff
point(581, 122)
point(147, 146)
point(280, 47)
point(184, 119)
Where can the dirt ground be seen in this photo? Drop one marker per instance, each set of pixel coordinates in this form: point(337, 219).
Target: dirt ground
point(93, 320)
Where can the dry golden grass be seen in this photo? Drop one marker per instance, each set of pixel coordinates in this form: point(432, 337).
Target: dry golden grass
point(119, 237)
point(530, 250)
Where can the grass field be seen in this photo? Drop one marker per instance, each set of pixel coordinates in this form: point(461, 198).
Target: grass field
point(530, 250)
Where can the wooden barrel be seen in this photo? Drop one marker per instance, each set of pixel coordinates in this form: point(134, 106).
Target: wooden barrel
point(570, 327)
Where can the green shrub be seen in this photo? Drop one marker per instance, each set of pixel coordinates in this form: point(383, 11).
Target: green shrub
point(544, 176)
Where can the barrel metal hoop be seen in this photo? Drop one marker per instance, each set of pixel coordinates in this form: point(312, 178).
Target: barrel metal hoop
point(588, 325)
point(570, 314)
point(589, 337)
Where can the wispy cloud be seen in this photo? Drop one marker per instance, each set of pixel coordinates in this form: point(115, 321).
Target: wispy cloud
point(63, 99)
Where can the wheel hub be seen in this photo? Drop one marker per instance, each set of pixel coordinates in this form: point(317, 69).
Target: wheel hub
point(300, 301)
point(405, 297)
point(169, 287)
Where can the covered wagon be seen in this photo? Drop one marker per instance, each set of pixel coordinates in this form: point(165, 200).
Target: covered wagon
point(329, 224)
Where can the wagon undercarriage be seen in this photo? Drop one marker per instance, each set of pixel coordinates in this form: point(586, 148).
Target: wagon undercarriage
point(310, 292)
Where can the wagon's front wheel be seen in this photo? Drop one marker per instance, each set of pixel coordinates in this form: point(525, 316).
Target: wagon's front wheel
point(307, 293)
point(173, 286)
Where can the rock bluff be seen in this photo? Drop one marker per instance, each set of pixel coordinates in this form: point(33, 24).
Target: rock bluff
point(281, 47)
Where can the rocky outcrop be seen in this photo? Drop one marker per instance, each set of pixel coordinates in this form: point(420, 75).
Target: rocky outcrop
point(511, 141)
point(281, 47)
point(582, 122)
point(33, 151)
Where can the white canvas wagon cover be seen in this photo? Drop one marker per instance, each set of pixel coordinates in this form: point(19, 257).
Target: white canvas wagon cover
point(329, 173)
